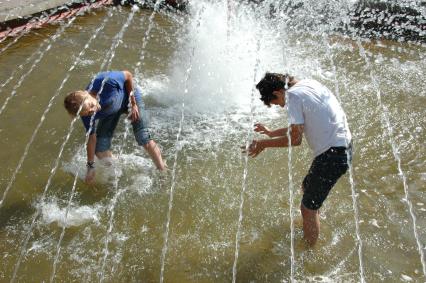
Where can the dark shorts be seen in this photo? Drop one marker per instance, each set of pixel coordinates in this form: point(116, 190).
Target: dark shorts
point(106, 126)
point(325, 170)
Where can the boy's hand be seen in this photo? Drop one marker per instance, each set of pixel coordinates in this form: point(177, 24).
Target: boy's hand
point(134, 113)
point(90, 176)
point(254, 148)
point(260, 128)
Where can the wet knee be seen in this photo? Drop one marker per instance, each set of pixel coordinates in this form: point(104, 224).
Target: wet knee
point(149, 145)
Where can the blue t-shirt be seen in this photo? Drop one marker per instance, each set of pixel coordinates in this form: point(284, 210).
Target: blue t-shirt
point(112, 93)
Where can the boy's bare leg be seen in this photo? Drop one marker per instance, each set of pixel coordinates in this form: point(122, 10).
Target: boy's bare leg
point(152, 149)
point(155, 154)
point(311, 224)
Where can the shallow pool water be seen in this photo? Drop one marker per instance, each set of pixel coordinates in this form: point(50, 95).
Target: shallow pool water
point(197, 73)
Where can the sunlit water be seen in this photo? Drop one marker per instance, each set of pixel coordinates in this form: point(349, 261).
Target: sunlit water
point(221, 51)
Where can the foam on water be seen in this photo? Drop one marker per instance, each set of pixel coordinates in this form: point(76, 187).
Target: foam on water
point(107, 170)
point(52, 212)
point(349, 277)
point(142, 185)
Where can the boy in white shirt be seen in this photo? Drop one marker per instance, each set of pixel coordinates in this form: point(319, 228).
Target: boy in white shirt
point(314, 111)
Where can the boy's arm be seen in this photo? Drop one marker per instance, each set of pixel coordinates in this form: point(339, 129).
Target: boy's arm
point(262, 129)
point(278, 133)
point(90, 148)
point(128, 83)
point(296, 134)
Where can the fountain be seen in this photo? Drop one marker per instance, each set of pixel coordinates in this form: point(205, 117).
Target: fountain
point(217, 215)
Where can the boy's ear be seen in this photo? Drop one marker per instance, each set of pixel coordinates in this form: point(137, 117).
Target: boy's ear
point(278, 92)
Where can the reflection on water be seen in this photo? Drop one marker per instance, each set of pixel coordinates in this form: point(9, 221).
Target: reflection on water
point(209, 169)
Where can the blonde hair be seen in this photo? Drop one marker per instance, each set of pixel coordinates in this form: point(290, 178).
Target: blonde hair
point(74, 100)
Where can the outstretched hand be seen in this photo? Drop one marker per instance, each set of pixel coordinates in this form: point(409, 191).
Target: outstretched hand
point(262, 129)
point(253, 149)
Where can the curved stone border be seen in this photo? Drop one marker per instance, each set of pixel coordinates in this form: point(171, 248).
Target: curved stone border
point(24, 23)
point(16, 27)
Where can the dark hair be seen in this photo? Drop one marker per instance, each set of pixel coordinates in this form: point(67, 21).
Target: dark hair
point(73, 101)
point(272, 82)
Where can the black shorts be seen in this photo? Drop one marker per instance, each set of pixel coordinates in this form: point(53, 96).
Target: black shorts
point(325, 170)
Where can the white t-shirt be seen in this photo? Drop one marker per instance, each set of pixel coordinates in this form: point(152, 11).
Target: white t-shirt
point(312, 104)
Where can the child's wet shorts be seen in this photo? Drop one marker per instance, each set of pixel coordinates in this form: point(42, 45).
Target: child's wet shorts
point(325, 170)
point(106, 126)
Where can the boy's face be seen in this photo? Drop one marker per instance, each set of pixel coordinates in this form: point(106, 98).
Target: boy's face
point(280, 100)
point(90, 106)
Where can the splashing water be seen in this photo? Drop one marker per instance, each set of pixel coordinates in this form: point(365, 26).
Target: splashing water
point(178, 137)
point(245, 173)
point(68, 217)
point(207, 185)
point(351, 178)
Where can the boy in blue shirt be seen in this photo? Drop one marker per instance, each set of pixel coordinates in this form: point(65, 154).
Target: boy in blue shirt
point(110, 95)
